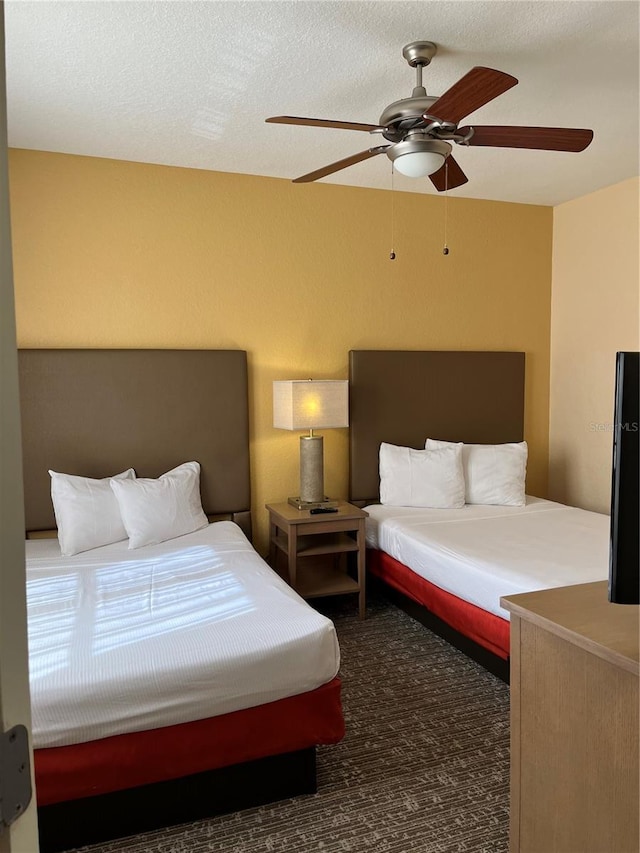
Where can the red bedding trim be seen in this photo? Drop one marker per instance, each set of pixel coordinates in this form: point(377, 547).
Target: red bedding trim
point(486, 629)
point(139, 758)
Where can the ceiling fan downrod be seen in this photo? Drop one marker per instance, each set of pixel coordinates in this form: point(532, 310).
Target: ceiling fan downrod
point(419, 54)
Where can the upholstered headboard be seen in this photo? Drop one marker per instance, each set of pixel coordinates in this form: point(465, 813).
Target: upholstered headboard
point(96, 412)
point(404, 397)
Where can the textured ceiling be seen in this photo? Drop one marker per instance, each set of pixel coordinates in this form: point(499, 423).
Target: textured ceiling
point(190, 84)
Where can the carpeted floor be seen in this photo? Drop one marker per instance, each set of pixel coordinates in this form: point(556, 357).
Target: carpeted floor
point(424, 765)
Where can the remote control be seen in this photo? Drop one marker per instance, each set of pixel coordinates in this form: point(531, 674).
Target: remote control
point(319, 510)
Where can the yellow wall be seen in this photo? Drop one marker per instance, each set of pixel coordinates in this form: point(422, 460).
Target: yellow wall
point(595, 313)
point(118, 254)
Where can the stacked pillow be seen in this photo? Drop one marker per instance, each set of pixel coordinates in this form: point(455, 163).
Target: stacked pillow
point(449, 474)
point(429, 478)
point(493, 473)
point(86, 510)
point(91, 513)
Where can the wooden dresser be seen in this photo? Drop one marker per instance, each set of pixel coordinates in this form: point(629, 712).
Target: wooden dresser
point(574, 722)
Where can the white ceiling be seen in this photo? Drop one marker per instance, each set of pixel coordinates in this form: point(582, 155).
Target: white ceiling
point(190, 84)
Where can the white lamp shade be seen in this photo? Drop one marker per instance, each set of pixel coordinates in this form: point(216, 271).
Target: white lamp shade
point(311, 404)
point(419, 164)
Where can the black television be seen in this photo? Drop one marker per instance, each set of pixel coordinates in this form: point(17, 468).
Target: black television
point(624, 558)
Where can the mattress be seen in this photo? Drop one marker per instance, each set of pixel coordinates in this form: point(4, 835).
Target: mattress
point(123, 641)
point(480, 553)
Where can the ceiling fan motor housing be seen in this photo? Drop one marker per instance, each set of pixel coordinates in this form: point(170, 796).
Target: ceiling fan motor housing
point(401, 115)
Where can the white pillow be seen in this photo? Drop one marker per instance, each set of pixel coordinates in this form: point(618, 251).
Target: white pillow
point(493, 473)
point(429, 478)
point(156, 510)
point(87, 513)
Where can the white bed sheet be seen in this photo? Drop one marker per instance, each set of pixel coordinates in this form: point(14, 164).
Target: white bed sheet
point(124, 641)
point(480, 553)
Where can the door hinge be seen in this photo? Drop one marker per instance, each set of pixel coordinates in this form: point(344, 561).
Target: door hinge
point(15, 775)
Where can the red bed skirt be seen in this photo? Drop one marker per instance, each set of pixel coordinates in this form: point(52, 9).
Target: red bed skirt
point(486, 629)
point(140, 758)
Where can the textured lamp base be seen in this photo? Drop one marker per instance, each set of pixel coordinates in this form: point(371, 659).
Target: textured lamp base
point(312, 494)
point(298, 503)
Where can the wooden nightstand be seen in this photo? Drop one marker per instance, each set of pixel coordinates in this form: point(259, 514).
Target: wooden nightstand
point(298, 534)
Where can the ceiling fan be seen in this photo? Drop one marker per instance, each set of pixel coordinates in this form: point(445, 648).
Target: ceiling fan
point(420, 129)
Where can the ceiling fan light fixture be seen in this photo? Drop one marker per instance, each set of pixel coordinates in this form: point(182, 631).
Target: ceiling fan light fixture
point(419, 164)
point(418, 158)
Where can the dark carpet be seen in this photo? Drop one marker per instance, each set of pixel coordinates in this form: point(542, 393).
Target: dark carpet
point(424, 765)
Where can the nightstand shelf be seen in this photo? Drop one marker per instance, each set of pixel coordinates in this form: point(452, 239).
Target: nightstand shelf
point(297, 534)
point(316, 581)
point(309, 546)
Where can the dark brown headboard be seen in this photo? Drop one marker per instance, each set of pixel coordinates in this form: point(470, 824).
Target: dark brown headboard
point(404, 397)
point(96, 412)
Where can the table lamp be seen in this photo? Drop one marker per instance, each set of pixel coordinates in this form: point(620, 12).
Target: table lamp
point(311, 404)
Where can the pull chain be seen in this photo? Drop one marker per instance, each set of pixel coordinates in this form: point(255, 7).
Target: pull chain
point(392, 254)
point(445, 249)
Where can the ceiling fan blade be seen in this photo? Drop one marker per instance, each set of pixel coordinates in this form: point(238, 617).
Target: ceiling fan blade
point(341, 164)
point(322, 122)
point(541, 138)
point(475, 89)
point(449, 176)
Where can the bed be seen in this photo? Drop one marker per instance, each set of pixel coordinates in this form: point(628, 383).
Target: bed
point(449, 567)
point(180, 679)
